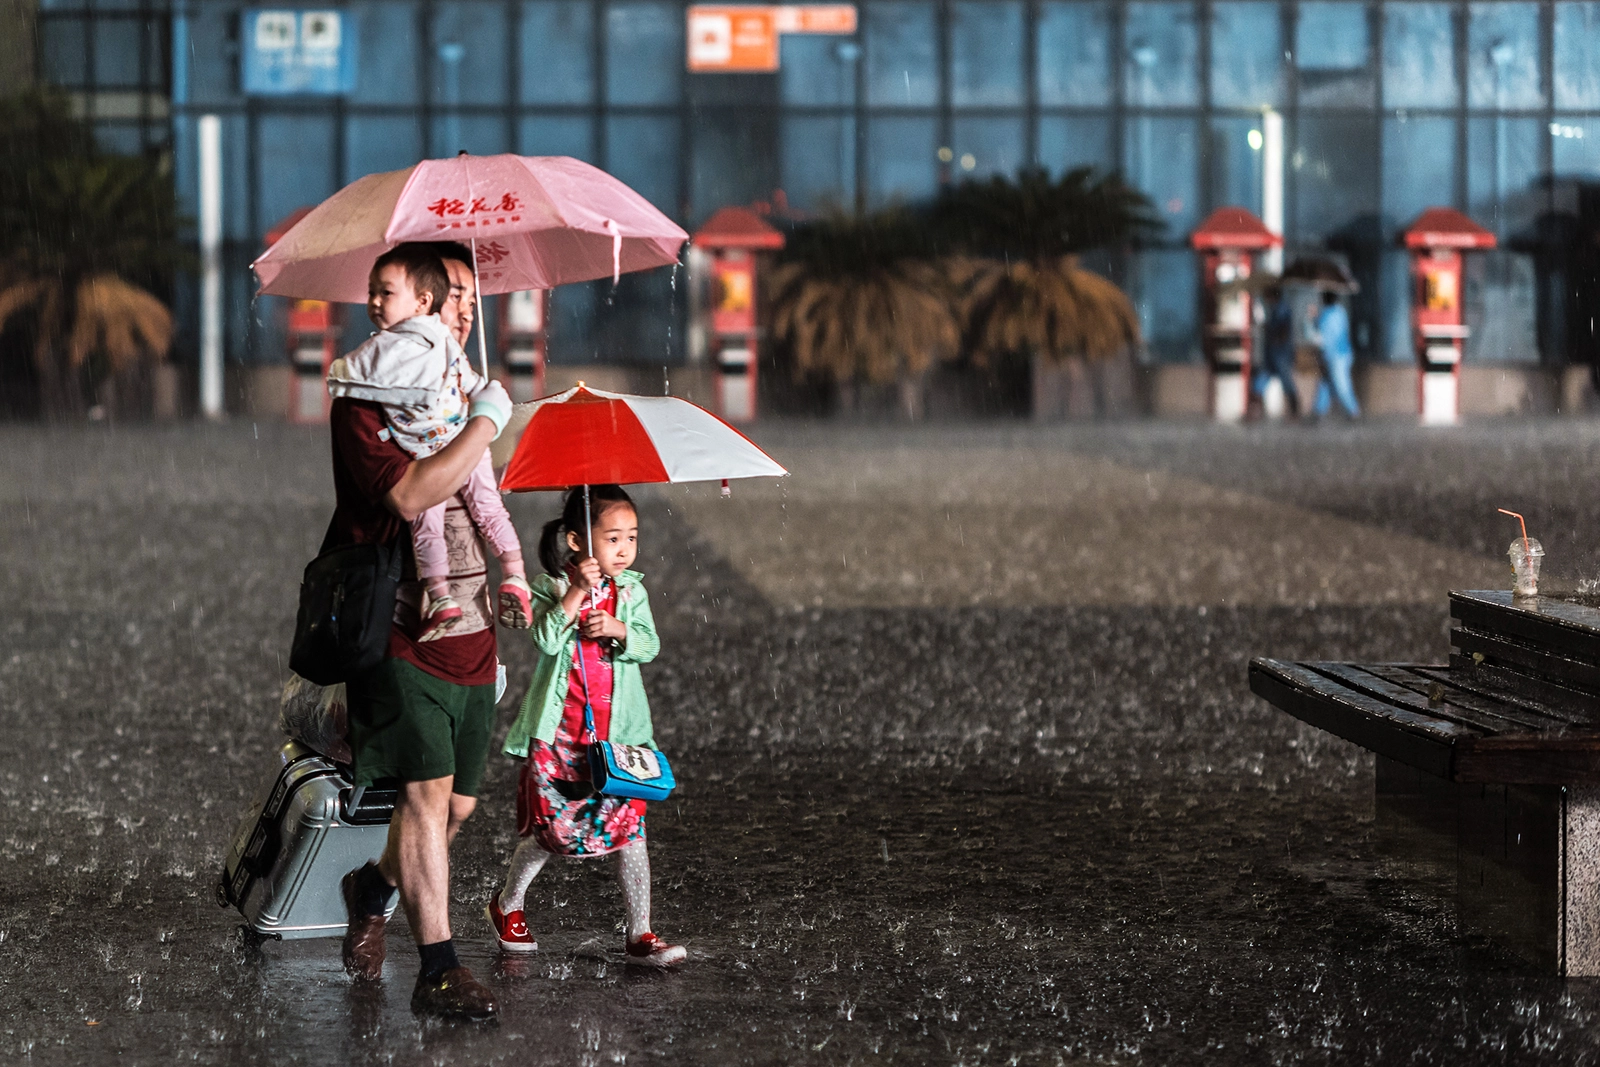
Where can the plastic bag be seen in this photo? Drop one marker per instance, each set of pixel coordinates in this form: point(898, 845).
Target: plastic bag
point(316, 716)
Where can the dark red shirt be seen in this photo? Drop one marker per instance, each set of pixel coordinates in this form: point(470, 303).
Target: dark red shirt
point(365, 468)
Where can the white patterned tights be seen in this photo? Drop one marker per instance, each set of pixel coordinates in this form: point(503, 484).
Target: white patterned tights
point(633, 877)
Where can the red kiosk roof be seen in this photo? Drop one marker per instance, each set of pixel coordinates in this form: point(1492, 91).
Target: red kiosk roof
point(1444, 227)
point(1234, 227)
point(737, 227)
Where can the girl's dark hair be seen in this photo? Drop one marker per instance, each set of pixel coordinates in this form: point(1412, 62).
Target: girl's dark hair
point(553, 553)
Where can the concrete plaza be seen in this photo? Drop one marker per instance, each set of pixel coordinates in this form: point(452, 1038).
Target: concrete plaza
point(970, 772)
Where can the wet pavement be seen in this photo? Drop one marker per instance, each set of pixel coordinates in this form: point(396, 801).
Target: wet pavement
point(986, 795)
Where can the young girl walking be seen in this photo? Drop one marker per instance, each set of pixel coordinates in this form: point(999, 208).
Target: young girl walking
point(586, 601)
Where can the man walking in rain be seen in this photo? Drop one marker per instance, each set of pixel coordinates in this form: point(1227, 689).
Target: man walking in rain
point(424, 715)
point(1333, 335)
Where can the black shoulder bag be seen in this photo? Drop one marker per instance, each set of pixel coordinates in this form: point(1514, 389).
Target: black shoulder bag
point(346, 609)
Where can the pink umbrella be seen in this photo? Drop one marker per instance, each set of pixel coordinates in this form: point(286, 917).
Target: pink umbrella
point(534, 222)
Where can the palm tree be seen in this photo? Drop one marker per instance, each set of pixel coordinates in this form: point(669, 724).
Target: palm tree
point(861, 298)
point(83, 236)
point(1023, 292)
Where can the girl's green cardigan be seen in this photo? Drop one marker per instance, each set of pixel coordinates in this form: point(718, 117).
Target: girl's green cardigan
point(556, 637)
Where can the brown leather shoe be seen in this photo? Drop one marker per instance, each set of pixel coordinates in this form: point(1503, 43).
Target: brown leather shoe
point(363, 940)
point(455, 994)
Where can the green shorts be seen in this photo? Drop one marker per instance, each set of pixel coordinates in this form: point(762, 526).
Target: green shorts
point(407, 724)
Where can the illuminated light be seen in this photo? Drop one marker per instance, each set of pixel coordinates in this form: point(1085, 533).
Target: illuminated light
point(1254, 140)
point(968, 161)
point(946, 155)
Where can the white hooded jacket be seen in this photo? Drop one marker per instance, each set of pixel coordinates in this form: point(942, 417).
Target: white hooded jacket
point(418, 372)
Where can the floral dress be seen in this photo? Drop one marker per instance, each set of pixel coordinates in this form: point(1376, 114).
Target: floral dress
point(556, 804)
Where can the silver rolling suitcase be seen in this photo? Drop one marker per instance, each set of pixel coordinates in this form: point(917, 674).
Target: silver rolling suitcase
point(305, 830)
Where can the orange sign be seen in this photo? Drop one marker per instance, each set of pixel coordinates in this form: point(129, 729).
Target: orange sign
point(732, 39)
point(744, 38)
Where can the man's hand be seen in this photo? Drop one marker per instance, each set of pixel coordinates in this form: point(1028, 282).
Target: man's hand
point(436, 478)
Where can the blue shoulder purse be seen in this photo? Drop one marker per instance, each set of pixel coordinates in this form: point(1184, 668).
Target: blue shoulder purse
point(637, 772)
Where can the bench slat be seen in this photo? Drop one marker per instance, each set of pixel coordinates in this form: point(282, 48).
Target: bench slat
point(1500, 715)
point(1581, 706)
point(1512, 653)
point(1368, 681)
point(1419, 741)
point(1561, 626)
point(1475, 680)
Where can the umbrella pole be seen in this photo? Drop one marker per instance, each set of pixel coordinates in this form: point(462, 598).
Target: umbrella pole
point(588, 534)
point(477, 299)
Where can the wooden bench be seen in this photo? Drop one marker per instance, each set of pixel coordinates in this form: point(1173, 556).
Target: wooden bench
point(1495, 756)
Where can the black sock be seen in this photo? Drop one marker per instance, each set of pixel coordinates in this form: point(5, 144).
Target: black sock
point(437, 958)
point(373, 894)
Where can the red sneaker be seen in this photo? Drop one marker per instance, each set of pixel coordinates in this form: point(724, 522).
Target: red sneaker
point(511, 929)
point(516, 603)
point(443, 613)
point(651, 951)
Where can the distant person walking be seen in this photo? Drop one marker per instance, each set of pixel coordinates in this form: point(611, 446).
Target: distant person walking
point(1277, 358)
point(1333, 336)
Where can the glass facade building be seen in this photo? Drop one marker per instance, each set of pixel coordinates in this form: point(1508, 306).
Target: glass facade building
point(1492, 107)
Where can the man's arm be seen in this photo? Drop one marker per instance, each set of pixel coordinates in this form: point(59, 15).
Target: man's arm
point(434, 479)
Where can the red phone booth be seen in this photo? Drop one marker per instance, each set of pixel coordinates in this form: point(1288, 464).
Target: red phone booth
point(313, 342)
point(733, 236)
point(524, 319)
point(1436, 241)
point(1227, 242)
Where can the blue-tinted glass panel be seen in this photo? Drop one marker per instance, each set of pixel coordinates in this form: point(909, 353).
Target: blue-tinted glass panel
point(1333, 52)
point(1163, 50)
point(480, 135)
point(1419, 167)
point(116, 53)
point(469, 43)
point(387, 72)
point(1575, 147)
point(985, 52)
point(644, 53)
point(63, 5)
point(1235, 164)
point(819, 162)
point(1163, 160)
point(1503, 56)
point(1334, 171)
point(62, 52)
point(986, 146)
point(557, 40)
point(1247, 43)
point(1419, 62)
point(1577, 43)
point(213, 69)
point(901, 159)
point(1394, 307)
point(119, 138)
point(643, 153)
point(901, 57)
point(1164, 286)
point(1501, 304)
point(554, 136)
point(734, 160)
point(294, 161)
point(1067, 143)
point(1074, 45)
point(377, 143)
point(818, 70)
point(1503, 166)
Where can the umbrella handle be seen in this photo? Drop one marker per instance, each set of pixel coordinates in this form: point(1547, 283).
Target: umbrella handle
point(477, 299)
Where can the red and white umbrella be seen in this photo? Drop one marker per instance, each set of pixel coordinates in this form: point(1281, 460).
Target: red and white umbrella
point(590, 437)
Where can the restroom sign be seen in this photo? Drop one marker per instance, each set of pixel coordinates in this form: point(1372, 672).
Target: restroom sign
point(744, 38)
point(295, 53)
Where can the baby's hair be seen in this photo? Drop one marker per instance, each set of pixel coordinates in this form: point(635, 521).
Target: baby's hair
point(553, 552)
point(423, 269)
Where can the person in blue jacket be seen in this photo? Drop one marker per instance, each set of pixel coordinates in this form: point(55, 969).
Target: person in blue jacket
point(1333, 335)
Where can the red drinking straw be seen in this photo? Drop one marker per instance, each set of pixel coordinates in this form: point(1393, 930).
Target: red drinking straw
point(1525, 550)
